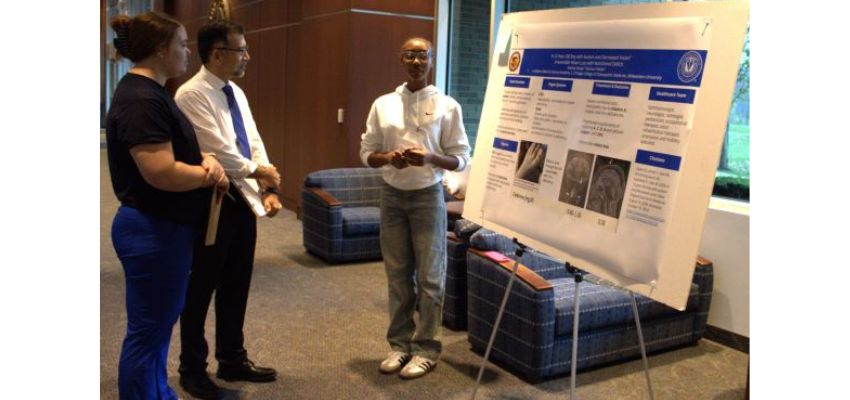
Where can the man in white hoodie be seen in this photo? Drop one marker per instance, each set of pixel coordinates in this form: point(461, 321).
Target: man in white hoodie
point(414, 134)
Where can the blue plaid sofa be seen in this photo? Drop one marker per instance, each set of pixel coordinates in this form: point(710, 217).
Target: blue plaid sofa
point(535, 335)
point(340, 214)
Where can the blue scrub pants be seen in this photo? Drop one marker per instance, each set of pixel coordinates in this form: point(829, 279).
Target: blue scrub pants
point(157, 256)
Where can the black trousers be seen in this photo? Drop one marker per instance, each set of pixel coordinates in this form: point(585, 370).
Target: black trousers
point(224, 268)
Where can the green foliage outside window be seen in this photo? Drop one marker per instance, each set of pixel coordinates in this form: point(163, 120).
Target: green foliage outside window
point(733, 173)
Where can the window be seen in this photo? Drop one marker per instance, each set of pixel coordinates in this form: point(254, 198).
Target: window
point(733, 173)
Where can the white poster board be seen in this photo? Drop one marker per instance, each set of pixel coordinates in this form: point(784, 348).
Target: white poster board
point(601, 132)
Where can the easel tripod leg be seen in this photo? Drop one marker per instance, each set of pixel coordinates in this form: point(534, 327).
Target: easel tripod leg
point(642, 346)
point(574, 361)
point(496, 324)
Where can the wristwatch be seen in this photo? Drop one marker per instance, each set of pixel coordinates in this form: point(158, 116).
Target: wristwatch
point(271, 190)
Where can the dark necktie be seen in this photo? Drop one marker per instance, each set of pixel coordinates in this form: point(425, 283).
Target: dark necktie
point(238, 124)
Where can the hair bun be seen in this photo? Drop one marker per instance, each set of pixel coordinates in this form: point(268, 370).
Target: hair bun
point(121, 26)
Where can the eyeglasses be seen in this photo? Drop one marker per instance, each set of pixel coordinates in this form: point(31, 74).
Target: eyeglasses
point(241, 50)
point(410, 55)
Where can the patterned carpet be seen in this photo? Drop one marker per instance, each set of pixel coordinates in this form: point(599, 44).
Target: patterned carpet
point(322, 327)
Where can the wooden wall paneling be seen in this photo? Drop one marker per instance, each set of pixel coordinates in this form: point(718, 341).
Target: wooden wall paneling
point(312, 8)
point(376, 66)
point(317, 65)
point(247, 14)
point(240, 3)
point(416, 7)
point(181, 9)
point(279, 12)
point(272, 13)
point(186, 13)
point(326, 54)
point(294, 106)
point(270, 108)
point(202, 8)
point(295, 10)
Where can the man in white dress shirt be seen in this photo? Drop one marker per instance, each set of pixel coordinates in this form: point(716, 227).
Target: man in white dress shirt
point(223, 123)
point(414, 133)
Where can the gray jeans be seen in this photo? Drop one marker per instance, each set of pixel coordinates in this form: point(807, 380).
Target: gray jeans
point(413, 243)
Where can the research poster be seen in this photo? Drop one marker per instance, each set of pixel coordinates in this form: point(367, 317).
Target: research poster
point(590, 134)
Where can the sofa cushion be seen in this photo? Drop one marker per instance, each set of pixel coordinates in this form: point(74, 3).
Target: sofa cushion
point(603, 306)
point(360, 220)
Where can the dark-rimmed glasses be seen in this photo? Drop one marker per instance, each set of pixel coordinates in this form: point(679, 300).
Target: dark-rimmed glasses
point(410, 55)
point(241, 50)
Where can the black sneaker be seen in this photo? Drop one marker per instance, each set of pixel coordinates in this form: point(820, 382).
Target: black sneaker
point(245, 371)
point(199, 385)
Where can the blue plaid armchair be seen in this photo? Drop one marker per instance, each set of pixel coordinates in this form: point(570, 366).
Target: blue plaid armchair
point(455, 300)
point(341, 214)
point(535, 335)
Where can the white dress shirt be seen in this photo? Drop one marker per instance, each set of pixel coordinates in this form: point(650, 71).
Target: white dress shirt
point(204, 103)
point(425, 118)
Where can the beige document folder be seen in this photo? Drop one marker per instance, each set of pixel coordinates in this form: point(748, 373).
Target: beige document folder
point(212, 221)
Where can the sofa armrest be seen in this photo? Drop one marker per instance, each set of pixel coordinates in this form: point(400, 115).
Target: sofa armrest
point(523, 273)
point(326, 197)
point(321, 221)
point(704, 278)
point(527, 331)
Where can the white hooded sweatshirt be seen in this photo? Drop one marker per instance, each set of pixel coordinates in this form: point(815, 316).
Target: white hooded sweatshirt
point(425, 118)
